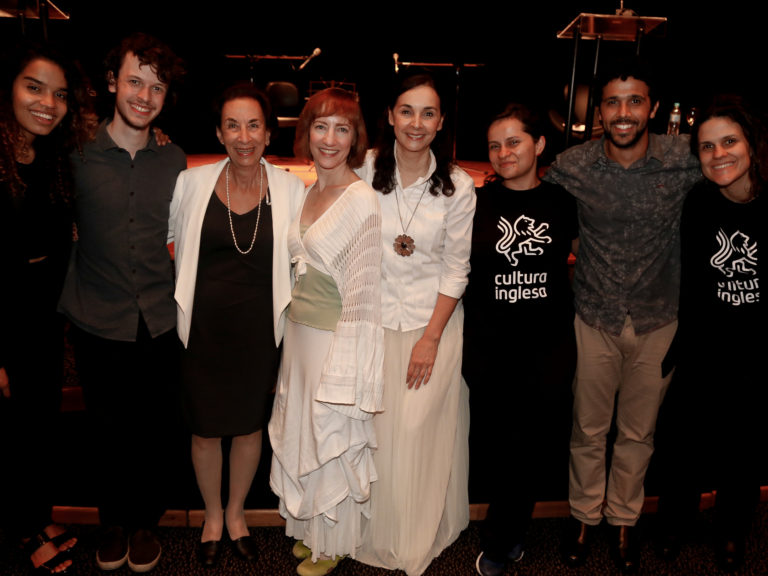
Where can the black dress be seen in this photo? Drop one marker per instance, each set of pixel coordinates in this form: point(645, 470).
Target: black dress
point(230, 364)
point(35, 240)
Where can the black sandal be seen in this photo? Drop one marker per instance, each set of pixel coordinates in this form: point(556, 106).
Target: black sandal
point(48, 567)
point(60, 539)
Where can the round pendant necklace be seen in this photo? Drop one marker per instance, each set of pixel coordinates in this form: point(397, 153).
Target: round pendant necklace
point(258, 214)
point(404, 244)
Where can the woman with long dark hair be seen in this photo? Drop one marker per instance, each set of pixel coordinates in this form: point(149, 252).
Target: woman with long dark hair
point(42, 98)
point(419, 505)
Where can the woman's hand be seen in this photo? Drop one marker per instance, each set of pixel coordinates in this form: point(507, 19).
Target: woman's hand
point(161, 137)
point(5, 386)
point(425, 350)
point(422, 360)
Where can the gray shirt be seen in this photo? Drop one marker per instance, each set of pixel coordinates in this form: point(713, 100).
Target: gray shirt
point(120, 266)
point(629, 241)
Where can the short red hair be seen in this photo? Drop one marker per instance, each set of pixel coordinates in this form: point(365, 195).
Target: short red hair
point(332, 102)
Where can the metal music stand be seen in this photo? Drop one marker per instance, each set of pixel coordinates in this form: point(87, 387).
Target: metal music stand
point(624, 26)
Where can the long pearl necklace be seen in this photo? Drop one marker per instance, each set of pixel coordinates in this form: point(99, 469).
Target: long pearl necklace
point(258, 214)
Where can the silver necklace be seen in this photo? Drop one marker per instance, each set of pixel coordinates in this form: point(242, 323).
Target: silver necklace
point(258, 214)
point(404, 244)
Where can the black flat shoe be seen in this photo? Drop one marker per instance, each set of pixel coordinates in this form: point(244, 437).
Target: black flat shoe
point(668, 546)
point(246, 548)
point(209, 552)
point(730, 555)
point(626, 549)
point(575, 545)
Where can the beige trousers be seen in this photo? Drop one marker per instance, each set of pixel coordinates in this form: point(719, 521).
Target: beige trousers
point(621, 372)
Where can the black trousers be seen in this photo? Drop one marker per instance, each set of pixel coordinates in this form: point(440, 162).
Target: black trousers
point(713, 437)
point(130, 394)
point(521, 405)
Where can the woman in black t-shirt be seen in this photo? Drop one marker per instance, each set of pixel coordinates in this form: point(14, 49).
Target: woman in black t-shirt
point(519, 346)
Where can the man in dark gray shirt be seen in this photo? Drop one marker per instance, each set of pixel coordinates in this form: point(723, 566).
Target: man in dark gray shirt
point(629, 186)
point(118, 295)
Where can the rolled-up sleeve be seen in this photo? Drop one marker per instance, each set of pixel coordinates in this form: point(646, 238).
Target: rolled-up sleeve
point(458, 237)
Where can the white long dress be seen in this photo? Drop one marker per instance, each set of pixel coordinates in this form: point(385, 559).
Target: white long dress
point(329, 385)
point(420, 503)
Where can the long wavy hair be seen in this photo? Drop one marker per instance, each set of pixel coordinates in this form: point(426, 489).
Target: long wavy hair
point(385, 162)
point(51, 151)
point(736, 109)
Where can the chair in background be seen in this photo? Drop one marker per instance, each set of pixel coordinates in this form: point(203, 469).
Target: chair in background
point(284, 97)
point(287, 105)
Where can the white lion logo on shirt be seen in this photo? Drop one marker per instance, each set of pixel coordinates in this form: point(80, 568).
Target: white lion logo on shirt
point(735, 254)
point(521, 238)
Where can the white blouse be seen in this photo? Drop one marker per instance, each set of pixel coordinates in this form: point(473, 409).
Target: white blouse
point(441, 229)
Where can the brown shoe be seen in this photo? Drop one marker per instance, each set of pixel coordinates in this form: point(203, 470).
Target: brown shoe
point(113, 549)
point(143, 551)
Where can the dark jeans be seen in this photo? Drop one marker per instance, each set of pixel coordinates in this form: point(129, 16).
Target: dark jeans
point(130, 394)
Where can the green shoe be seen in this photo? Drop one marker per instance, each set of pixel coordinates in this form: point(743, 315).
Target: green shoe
point(319, 568)
point(300, 550)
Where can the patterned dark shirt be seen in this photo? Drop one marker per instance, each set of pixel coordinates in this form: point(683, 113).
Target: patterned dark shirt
point(629, 247)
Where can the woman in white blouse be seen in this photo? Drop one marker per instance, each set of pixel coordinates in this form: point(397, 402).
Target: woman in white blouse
point(419, 504)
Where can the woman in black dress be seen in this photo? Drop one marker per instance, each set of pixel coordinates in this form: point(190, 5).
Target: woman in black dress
point(229, 221)
point(41, 100)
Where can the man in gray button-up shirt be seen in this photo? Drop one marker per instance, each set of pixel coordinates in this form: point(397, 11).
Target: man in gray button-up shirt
point(630, 186)
point(118, 295)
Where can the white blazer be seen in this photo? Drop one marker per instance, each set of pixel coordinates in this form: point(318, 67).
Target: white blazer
point(190, 201)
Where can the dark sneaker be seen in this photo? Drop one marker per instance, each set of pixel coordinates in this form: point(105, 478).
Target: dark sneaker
point(113, 549)
point(143, 551)
point(516, 554)
point(487, 567)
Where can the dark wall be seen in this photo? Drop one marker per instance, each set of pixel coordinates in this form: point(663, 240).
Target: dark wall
point(515, 46)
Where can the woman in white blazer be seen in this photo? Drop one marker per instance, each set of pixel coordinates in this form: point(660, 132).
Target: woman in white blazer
point(229, 222)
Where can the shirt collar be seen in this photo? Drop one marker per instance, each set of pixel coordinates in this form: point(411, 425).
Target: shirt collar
point(105, 142)
point(654, 152)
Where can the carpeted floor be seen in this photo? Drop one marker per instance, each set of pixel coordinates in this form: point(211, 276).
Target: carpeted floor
point(541, 557)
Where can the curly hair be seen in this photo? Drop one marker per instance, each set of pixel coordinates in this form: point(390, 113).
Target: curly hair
point(51, 151)
point(385, 162)
point(151, 52)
